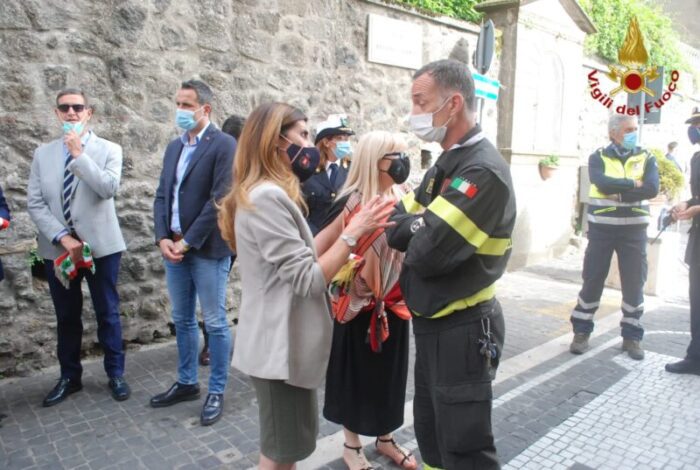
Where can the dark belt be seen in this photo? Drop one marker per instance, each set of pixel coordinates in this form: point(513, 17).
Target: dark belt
point(177, 237)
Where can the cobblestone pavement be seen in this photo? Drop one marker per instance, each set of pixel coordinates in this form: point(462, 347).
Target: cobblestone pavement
point(551, 409)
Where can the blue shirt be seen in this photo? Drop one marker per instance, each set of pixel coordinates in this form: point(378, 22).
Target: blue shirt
point(182, 164)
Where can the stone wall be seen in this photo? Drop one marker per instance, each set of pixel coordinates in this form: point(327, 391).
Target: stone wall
point(130, 56)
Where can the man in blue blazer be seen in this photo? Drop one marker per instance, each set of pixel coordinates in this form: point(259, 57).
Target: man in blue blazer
point(4, 222)
point(196, 173)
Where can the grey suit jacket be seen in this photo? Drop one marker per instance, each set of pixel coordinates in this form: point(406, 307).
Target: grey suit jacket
point(97, 173)
point(285, 325)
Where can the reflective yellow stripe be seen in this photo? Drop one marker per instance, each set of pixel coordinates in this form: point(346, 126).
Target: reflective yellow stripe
point(640, 211)
point(483, 295)
point(428, 467)
point(606, 210)
point(410, 204)
point(458, 220)
point(495, 247)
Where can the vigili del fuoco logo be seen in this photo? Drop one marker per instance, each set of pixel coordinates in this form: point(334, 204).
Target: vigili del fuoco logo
point(632, 76)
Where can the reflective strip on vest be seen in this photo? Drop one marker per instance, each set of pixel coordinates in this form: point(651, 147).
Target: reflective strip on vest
point(487, 293)
point(611, 202)
point(602, 219)
point(410, 204)
point(463, 225)
point(428, 467)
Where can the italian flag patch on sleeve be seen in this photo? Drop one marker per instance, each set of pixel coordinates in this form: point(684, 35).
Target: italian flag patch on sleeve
point(465, 187)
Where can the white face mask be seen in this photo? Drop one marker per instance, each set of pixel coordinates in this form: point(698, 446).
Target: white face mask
point(422, 126)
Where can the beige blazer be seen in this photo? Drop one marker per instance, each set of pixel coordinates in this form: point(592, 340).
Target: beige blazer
point(285, 325)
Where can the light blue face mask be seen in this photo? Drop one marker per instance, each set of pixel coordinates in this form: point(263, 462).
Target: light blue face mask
point(342, 149)
point(629, 141)
point(78, 127)
point(185, 119)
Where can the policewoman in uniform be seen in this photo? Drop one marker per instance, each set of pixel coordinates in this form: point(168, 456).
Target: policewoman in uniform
point(332, 140)
point(690, 209)
point(623, 177)
point(455, 229)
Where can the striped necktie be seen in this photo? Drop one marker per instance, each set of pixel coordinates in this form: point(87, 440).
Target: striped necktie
point(67, 190)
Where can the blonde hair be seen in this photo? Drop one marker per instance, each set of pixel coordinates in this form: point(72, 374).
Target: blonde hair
point(258, 159)
point(363, 176)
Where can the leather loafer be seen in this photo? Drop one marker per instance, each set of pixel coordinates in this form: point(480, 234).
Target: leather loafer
point(120, 389)
point(175, 394)
point(63, 388)
point(213, 409)
point(686, 366)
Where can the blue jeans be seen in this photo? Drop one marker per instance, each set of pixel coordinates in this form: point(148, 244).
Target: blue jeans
point(206, 279)
point(69, 307)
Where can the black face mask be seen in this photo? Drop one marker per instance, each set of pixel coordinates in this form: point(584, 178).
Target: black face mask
point(304, 160)
point(400, 167)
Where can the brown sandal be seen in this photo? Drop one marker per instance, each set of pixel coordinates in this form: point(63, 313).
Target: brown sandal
point(407, 455)
point(362, 459)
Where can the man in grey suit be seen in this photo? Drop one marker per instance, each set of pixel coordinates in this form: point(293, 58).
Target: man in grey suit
point(70, 198)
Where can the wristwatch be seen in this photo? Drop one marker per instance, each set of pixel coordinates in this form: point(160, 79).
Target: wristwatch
point(350, 240)
point(185, 246)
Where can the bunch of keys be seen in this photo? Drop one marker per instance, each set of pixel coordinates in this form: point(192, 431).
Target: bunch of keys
point(487, 347)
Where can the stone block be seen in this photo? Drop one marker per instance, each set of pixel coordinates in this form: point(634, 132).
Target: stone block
point(124, 25)
point(55, 77)
point(291, 50)
point(13, 16)
point(213, 34)
point(151, 309)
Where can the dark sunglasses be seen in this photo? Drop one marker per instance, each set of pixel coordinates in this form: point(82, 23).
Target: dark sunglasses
point(64, 108)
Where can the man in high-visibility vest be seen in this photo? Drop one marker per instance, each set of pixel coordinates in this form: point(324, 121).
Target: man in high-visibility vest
point(623, 178)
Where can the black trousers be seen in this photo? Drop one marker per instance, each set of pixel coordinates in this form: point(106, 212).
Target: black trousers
point(453, 394)
point(694, 288)
point(630, 244)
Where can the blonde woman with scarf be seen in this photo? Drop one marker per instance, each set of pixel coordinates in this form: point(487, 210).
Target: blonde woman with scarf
point(366, 377)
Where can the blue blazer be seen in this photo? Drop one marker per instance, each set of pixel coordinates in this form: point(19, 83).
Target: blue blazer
point(206, 180)
point(4, 214)
point(320, 193)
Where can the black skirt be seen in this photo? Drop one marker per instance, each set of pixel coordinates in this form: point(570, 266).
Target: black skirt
point(366, 391)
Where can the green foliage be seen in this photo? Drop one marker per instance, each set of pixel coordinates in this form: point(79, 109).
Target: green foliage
point(670, 177)
point(34, 258)
point(551, 161)
point(460, 9)
point(611, 18)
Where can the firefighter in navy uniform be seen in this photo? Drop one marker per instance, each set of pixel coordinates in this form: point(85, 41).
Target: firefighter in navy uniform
point(690, 209)
point(623, 178)
point(332, 141)
point(455, 229)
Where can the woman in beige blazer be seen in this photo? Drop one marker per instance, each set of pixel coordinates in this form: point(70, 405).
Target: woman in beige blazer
point(284, 333)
